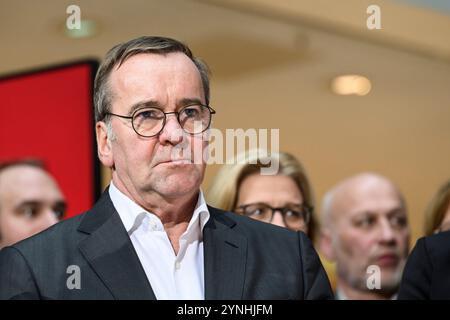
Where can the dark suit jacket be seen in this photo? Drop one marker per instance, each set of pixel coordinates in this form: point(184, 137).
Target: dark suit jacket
point(243, 259)
point(427, 272)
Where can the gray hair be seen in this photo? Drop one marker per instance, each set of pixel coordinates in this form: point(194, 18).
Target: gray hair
point(121, 52)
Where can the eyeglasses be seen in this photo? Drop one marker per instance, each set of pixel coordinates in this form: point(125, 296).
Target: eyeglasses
point(150, 121)
point(294, 216)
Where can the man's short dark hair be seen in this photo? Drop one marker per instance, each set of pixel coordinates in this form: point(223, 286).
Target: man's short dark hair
point(28, 162)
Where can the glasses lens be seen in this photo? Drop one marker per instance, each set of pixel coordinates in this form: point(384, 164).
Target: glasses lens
point(195, 118)
point(258, 211)
point(296, 216)
point(148, 122)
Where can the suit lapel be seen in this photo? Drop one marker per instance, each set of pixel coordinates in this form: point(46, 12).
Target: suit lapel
point(225, 252)
point(111, 254)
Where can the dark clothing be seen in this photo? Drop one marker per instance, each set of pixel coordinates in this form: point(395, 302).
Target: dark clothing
point(243, 259)
point(427, 272)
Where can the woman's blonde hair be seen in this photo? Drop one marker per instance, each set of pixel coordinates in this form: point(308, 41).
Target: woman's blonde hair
point(223, 191)
point(435, 212)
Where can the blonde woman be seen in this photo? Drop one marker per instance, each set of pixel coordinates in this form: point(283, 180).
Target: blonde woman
point(284, 198)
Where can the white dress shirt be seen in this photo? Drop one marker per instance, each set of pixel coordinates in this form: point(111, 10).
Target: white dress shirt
point(172, 277)
point(340, 295)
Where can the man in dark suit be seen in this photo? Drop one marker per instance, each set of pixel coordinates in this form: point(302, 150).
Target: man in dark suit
point(427, 272)
point(151, 234)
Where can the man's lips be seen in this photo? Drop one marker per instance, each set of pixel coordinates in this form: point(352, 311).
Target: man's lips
point(174, 162)
point(387, 260)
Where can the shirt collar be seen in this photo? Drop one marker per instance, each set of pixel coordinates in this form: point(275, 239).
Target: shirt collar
point(133, 214)
point(201, 213)
point(340, 295)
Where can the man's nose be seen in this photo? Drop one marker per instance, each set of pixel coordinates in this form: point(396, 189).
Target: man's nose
point(387, 233)
point(278, 219)
point(172, 132)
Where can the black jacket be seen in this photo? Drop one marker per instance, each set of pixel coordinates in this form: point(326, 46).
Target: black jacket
point(427, 272)
point(243, 259)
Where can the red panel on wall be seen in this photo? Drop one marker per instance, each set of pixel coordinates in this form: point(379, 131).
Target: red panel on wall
point(48, 114)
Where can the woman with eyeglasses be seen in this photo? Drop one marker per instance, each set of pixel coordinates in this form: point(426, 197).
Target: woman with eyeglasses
point(284, 198)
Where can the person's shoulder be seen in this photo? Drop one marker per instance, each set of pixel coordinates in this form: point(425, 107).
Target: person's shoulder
point(63, 233)
point(433, 249)
point(437, 244)
point(438, 238)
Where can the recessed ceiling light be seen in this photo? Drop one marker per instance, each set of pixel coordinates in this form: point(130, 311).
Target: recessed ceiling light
point(351, 84)
point(88, 28)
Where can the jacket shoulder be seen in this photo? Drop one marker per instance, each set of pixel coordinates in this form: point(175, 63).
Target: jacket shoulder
point(436, 245)
point(60, 235)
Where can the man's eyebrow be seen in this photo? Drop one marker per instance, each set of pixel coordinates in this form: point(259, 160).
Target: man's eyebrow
point(357, 214)
point(398, 210)
point(28, 203)
point(33, 202)
point(143, 104)
point(189, 101)
point(62, 203)
point(155, 104)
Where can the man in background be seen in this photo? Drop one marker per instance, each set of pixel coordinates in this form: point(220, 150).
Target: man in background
point(365, 231)
point(30, 200)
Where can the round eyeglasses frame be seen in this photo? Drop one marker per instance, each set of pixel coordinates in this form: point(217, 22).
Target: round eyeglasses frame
point(177, 113)
point(306, 214)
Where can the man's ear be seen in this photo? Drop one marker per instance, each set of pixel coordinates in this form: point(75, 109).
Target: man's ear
point(326, 244)
point(104, 148)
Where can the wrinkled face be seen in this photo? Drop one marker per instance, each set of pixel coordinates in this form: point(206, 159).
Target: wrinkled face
point(30, 201)
point(169, 164)
point(370, 228)
point(277, 191)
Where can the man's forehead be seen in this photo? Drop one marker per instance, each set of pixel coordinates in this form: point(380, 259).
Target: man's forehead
point(27, 181)
point(146, 63)
point(21, 170)
point(148, 75)
point(366, 195)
